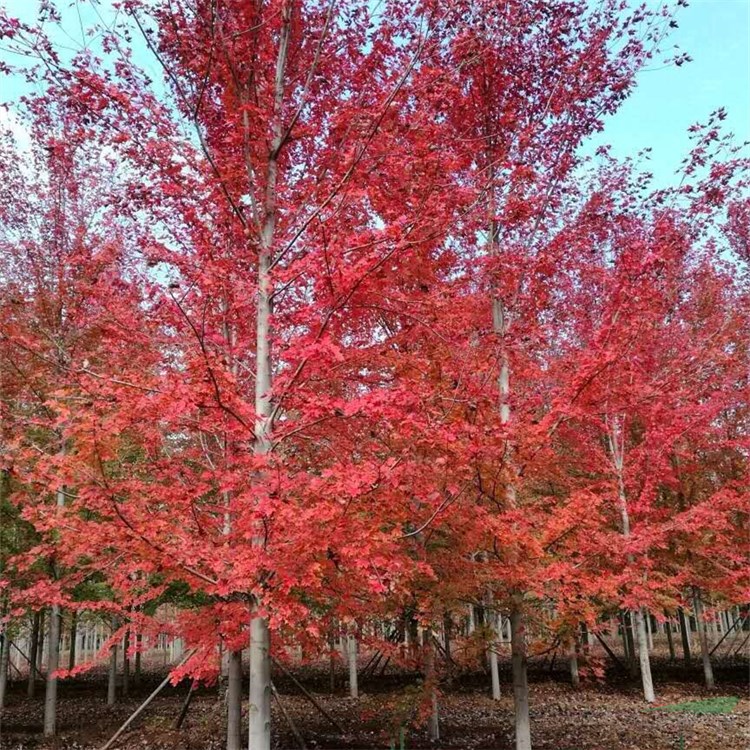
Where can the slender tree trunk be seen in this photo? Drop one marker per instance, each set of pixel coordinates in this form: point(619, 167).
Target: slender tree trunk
point(331, 659)
point(40, 643)
point(520, 680)
point(138, 657)
point(708, 671)
point(126, 664)
point(685, 636)
point(53, 663)
point(628, 627)
point(617, 450)
point(643, 657)
point(259, 710)
point(353, 686)
point(33, 646)
point(649, 634)
point(447, 628)
point(501, 324)
point(624, 637)
point(234, 700)
point(433, 723)
point(670, 639)
point(492, 652)
point(112, 681)
point(259, 732)
point(73, 637)
point(4, 661)
point(575, 677)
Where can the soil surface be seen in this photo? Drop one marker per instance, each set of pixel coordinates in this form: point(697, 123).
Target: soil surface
point(600, 715)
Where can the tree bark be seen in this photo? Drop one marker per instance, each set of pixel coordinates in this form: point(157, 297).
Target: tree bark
point(670, 639)
point(649, 634)
point(73, 637)
point(617, 450)
point(53, 663)
point(685, 636)
point(259, 710)
point(126, 664)
point(708, 671)
point(643, 657)
point(520, 680)
point(447, 627)
point(575, 677)
point(331, 659)
point(433, 723)
point(234, 700)
point(259, 731)
point(33, 647)
point(352, 651)
point(112, 681)
point(4, 661)
point(492, 651)
point(138, 657)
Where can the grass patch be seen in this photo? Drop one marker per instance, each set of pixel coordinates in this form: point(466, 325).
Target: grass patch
point(722, 705)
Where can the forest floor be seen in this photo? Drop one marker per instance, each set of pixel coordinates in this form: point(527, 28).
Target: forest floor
point(601, 715)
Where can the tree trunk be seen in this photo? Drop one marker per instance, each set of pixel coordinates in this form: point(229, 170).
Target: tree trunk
point(73, 637)
point(670, 639)
point(234, 700)
point(353, 686)
point(33, 646)
point(138, 657)
point(53, 663)
point(4, 660)
point(40, 643)
point(708, 672)
point(259, 710)
point(126, 664)
point(520, 680)
point(331, 659)
point(492, 651)
point(575, 677)
point(433, 723)
point(627, 620)
point(259, 732)
point(685, 636)
point(447, 627)
point(649, 635)
point(617, 450)
point(643, 657)
point(112, 681)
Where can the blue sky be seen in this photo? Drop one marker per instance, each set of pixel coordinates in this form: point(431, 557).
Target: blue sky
point(667, 100)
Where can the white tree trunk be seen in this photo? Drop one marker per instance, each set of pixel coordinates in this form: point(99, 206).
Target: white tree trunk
point(520, 680)
point(643, 657)
point(260, 652)
point(708, 671)
point(472, 624)
point(494, 645)
point(259, 710)
point(53, 663)
point(73, 640)
point(353, 684)
point(616, 440)
point(234, 700)
point(575, 677)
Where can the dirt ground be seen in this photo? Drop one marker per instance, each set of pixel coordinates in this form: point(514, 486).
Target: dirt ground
point(599, 716)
